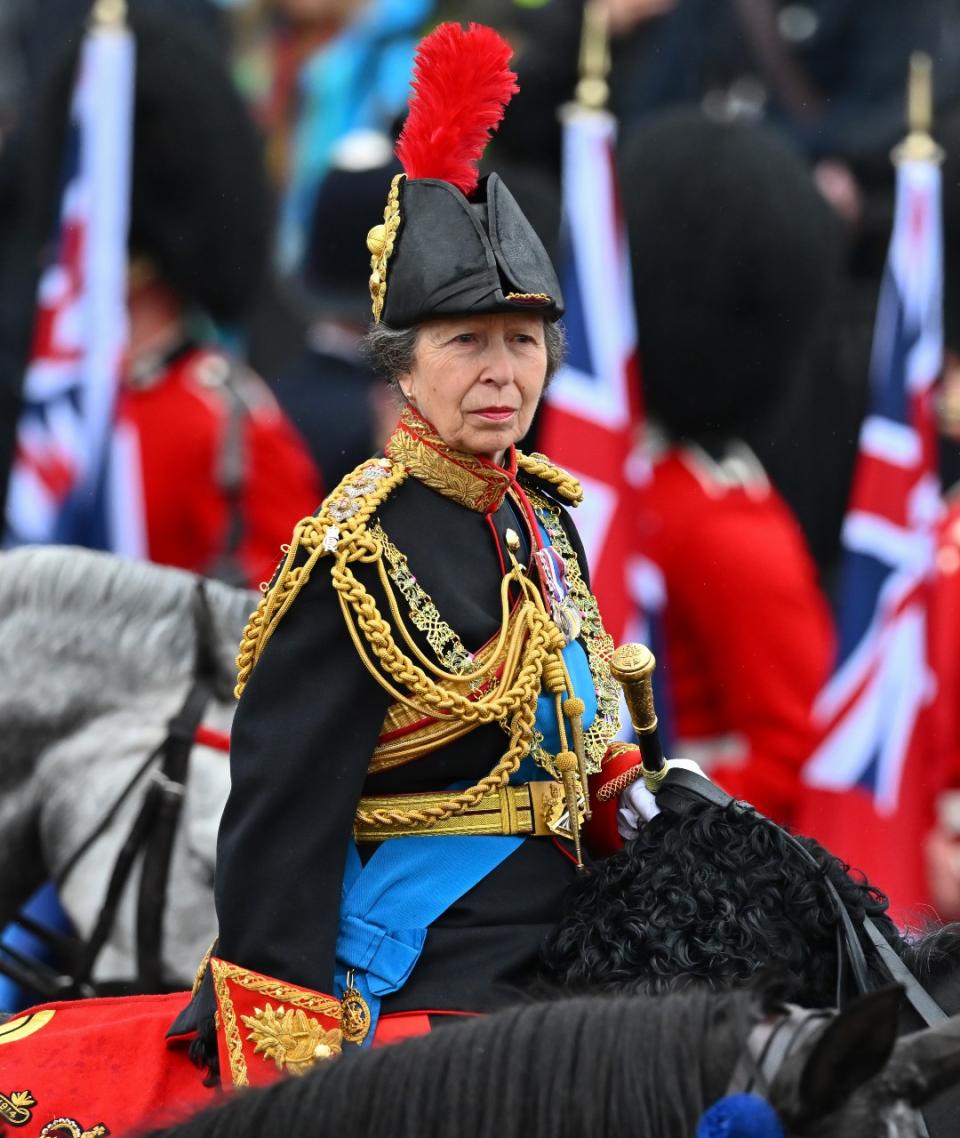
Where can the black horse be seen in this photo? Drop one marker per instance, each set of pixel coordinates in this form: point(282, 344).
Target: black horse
point(618, 1067)
point(713, 894)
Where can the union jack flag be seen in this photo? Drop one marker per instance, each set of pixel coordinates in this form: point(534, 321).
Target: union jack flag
point(75, 478)
point(592, 415)
point(864, 795)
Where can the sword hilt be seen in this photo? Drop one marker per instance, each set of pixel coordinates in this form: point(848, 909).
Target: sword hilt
point(632, 666)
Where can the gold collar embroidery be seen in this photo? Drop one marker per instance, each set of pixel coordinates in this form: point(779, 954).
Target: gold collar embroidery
point(472, 481)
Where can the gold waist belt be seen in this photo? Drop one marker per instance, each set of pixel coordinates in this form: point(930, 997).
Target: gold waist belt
point(537, 808)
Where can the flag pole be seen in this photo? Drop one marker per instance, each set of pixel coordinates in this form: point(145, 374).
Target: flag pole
point(919, 146)
point(593, 91)
point(109, 14)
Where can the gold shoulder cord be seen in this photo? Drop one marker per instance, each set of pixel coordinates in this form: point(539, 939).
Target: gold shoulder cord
point(339, 525)
point(529, 646)
point(539, 466)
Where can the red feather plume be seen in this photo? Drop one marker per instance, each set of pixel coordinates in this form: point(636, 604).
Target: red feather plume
point(461, 84)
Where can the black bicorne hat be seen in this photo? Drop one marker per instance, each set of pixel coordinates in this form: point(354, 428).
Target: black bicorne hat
point(451, 244)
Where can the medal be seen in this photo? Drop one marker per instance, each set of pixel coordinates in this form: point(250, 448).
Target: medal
point(564, 613)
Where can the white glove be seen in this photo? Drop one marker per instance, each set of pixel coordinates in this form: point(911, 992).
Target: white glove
point(638, 805)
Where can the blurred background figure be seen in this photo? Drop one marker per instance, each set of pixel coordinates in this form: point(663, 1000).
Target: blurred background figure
point(734, 257)
point(827, 73)
point(315, 71)
point(342, 409)
point(829, 76)
point(222, 473)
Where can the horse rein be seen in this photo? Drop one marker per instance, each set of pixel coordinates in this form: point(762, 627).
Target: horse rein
point(152, 833)
point(770, 1044)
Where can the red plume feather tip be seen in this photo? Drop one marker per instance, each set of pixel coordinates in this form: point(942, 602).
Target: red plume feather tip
point(461, 84)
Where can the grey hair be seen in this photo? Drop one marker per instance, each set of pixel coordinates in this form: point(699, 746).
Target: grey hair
point(391, 351)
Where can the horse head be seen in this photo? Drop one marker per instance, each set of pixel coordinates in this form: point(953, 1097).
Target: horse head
point(97, 654)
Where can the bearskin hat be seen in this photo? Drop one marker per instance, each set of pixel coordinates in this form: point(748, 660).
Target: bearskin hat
point(200, 204)
point(734, 252)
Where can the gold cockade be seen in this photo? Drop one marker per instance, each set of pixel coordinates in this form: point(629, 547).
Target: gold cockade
point(380, 242)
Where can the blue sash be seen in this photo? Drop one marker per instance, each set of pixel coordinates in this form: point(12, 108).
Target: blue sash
point(388, 904)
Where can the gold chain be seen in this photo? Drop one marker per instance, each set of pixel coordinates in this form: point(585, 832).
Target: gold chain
point(449, 648)
point(599, 643)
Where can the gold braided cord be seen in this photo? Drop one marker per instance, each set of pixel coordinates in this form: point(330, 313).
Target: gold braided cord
point(531, 643)
point(369, 630)
point(341, 521)
point(516, 702)
point(202, 968)
point(539, 466)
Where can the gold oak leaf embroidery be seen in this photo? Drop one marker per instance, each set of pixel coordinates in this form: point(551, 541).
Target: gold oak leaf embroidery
point(291, 1038)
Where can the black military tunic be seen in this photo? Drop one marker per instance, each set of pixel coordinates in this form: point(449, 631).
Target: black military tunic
point(310, 718)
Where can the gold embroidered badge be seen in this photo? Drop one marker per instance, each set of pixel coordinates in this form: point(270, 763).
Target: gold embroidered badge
point(291, 1038)
point(15, 1107)
point(72, 1128)
point(355, 1017)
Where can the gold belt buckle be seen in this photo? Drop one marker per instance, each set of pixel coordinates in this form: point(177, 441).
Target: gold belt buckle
point(549, 808)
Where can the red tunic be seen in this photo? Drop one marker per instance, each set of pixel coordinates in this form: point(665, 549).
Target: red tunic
point(182, 419)
point(748, 632)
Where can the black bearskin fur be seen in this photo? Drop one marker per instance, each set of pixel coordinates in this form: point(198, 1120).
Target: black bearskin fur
point(711, 897)
point(734, 256)
point(200, 206)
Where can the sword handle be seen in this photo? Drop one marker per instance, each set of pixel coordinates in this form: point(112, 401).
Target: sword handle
point(632, 666)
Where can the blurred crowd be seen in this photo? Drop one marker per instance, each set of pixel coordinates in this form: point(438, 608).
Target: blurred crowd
point(757, 252)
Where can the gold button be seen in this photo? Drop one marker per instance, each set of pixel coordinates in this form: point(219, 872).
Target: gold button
point(513, 540)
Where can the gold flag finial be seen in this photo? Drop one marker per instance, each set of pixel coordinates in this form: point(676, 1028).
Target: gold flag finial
point(919, 146)
point(109, 14)
point(593, 89)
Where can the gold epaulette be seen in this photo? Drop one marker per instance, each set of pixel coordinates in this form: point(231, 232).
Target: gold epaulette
point(540, 467)
point(336, 529)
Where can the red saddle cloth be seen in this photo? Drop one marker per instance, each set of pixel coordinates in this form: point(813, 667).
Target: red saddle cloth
point(88, 1068)
point(91, 1068)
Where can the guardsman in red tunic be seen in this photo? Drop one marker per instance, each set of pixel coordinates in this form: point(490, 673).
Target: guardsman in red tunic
point(223, 470)
point(733, 253)
point(222, 473)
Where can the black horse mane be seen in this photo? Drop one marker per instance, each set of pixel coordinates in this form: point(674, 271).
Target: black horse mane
point(714, 896)
point(616, 1066)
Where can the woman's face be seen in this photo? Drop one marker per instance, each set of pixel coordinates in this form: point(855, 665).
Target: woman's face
point(478, 379)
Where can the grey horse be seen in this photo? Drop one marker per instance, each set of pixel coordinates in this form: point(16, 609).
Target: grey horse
point(96, 655)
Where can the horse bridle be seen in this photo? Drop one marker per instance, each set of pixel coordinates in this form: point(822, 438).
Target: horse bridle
point(682, 788)
point(152, 835)
point(776, 1038)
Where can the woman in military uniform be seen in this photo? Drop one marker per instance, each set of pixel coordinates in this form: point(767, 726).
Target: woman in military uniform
point(425, 691)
